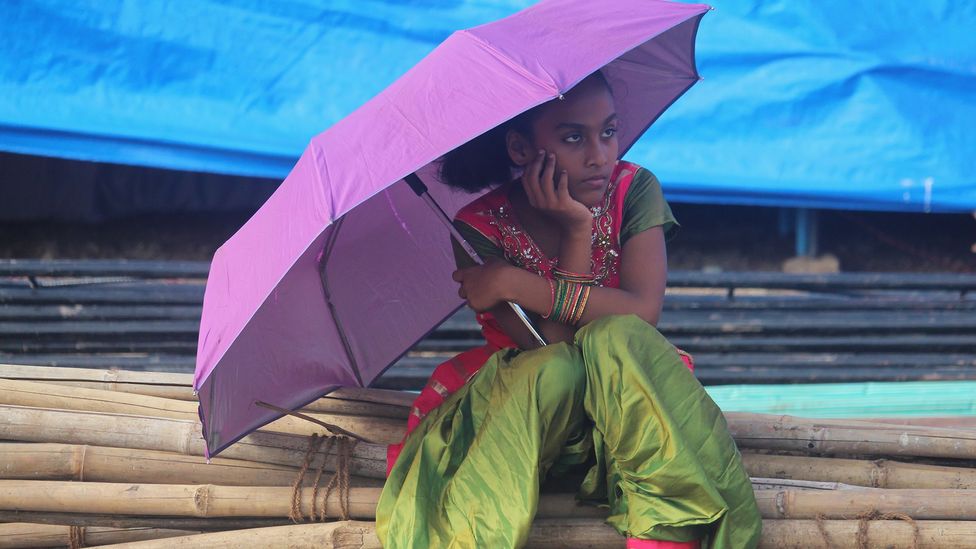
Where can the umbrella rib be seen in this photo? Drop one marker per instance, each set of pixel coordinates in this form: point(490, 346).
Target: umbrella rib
point(328, 300)
point(334, 429)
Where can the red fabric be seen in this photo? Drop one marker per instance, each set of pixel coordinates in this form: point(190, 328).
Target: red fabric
point(483, 215)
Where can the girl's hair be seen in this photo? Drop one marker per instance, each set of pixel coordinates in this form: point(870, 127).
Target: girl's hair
point(484, 161)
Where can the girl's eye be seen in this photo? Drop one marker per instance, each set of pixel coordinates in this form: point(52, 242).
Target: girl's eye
point(575, 138)
point(609, 132)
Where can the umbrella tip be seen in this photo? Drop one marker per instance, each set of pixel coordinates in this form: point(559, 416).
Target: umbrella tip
point(711, 8)
point(561, 97)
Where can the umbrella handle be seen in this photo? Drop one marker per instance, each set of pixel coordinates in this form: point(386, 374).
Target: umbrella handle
point(421, 190)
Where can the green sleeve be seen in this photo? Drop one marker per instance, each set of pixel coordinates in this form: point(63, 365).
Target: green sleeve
point(481, 244)
point(645, 207)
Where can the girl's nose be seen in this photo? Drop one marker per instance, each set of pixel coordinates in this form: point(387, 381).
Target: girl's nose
point(596, 155)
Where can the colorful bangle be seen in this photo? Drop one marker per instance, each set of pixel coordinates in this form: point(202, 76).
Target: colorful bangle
point(570, 276)
point(568, 301)
point(581, 306)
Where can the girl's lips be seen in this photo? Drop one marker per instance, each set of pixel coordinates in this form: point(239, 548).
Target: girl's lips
point(594, 182)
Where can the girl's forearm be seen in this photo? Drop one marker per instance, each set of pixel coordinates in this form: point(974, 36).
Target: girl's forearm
point(533, 292)
point(614, 301)
point(575, 249)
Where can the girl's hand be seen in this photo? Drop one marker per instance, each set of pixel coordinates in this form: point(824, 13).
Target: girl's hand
point(552, 199)
point(483, 286)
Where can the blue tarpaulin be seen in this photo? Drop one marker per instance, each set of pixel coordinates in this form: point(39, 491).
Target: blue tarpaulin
point(833, 104)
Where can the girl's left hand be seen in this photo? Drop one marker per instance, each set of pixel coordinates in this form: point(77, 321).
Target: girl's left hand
point(549, 194)
point(483, 286)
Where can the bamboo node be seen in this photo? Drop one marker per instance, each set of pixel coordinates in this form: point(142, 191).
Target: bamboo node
point(781, 503)
point(823, 530)
point(879, 474)
point(76, 537)
point(201, 499)
point(80, 470)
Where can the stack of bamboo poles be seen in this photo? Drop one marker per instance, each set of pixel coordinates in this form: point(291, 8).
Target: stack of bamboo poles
point(95, 457)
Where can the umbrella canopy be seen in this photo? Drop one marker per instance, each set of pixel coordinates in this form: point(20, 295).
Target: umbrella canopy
point(345, 268)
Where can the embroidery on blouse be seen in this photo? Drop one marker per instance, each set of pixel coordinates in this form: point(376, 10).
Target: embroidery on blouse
point(522, 251)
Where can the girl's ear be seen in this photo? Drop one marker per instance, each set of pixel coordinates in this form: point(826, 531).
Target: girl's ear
point(519, 149)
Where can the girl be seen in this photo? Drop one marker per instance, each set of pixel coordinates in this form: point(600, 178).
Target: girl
point(578, 240)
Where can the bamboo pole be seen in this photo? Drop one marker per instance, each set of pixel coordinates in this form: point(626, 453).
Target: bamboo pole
point(49, 461)
point(759, 483)
point(590, 533)
point(175, 392)
point(352, 401)
point(566, 534)
point(831, 437)
point(951, 422)
point(22, 535)
point(881, 473)
point(329, 404)
point(30, 372)
point(177, 500)
point(262, 501)
point(133, 521)
point(173, 500)
point(919, 504)
point(171, 435)
point(888, 534)
point(330, 535)
point(46, 395)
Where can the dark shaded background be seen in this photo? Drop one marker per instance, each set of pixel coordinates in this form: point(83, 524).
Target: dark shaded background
point(60, 209)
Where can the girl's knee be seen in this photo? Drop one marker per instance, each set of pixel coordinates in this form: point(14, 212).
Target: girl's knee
point(556, 369)
point(615, 326)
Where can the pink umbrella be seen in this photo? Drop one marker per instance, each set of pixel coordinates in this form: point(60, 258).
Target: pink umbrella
point(345, 268)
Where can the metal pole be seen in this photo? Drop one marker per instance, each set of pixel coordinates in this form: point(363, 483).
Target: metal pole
point(421, 190)
point(806, 232)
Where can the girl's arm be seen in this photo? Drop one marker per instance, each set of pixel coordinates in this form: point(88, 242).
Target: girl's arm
point(643, 276)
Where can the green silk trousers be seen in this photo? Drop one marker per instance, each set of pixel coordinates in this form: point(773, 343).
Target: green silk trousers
point(618, 399)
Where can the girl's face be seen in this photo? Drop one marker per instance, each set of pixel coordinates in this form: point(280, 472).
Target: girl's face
point(581, 130)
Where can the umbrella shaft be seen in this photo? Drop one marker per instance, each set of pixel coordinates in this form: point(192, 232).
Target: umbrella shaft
point(421, 190)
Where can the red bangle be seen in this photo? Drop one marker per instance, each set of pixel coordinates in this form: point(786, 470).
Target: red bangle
point(552, 297)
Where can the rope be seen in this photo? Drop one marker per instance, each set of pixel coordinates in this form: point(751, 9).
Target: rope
point(296, 497)
point(339, 480)
point(318, 477)
point(862, 526)
point(863, 521)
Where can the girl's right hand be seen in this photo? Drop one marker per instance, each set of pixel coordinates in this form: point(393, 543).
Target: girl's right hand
point(483, 286)
point(552, 199)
